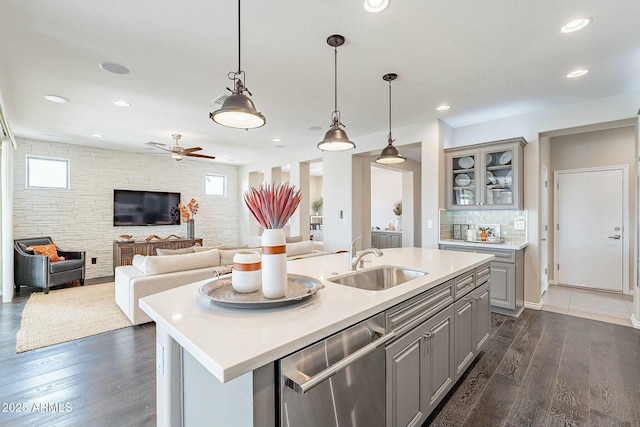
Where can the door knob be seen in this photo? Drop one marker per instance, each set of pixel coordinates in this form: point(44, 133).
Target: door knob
point(615, 236)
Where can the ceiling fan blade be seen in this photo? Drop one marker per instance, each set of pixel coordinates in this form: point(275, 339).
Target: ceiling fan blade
point(199, 155)
point(191, 150)
point(158, 145)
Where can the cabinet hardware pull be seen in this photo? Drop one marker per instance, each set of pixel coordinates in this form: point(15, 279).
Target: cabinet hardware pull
point(427, 335)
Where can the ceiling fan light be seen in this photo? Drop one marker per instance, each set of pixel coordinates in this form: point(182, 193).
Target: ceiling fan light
point(336, 139)
point(238, 111)
point(390, 156)
point(176, 156)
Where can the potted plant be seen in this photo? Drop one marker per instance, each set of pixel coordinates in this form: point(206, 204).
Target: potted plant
point(272, 205)
point(397, 211)
point(317, 205)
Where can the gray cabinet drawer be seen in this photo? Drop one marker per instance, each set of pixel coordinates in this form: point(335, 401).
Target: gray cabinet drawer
point(464, 283)
point(421, 306)
point(483, 274)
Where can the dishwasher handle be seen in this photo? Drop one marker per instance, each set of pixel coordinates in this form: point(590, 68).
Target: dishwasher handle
point(311, 382)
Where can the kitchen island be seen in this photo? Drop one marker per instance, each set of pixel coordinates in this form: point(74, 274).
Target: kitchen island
point(216, 365)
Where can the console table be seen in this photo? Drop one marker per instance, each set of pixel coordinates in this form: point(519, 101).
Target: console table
point(123, 252)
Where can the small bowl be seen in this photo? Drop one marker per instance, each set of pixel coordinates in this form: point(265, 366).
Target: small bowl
point(493, 239)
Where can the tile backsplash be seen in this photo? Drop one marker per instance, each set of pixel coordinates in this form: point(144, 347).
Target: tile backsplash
point(473, 219)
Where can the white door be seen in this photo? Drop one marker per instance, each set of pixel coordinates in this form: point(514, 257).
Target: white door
point(544, 232)
point(589, 232)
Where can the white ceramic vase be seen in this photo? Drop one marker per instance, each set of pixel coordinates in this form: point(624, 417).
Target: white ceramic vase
point(246, 275)
point(397, 223)
point(274, 263)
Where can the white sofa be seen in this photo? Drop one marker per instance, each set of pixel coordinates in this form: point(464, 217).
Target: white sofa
point(152, 274)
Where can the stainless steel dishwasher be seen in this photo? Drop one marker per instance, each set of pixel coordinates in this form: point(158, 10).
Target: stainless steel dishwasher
point(339, 381)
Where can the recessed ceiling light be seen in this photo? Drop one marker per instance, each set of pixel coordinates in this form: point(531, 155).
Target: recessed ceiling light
point(577, 73)
point(56, 98)
point(122, 103)
point(443, 107)
point(375, 6)
point(97, 135)
point(112, 67)
point(575, 25)
point(276, 139)
point(314, 128)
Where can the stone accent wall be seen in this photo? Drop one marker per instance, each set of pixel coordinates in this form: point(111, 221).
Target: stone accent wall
point(81, 218)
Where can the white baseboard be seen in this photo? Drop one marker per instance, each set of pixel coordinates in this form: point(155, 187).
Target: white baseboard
point(533, 305)
point(635, 322)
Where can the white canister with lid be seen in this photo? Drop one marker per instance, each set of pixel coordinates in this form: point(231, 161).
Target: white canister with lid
point(246, 275)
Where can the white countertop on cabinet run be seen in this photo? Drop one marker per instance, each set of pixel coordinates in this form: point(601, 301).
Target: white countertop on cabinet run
point(230, 342)
point(509, 245)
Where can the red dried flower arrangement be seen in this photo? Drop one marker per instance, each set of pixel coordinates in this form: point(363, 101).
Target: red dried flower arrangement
point(273, 204)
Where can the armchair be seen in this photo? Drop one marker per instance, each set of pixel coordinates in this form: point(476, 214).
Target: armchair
point(36, 270)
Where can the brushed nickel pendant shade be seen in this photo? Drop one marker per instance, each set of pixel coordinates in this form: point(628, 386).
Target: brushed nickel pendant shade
point(390, 154)
point(238, 110)
point(336, 138)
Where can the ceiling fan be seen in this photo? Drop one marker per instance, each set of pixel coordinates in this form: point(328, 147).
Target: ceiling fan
point(178, 151)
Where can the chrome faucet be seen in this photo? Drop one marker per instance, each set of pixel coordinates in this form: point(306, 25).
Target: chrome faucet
point(355, 257)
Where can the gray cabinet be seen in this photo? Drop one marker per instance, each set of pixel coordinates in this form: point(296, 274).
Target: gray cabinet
point(406, 402)
point(507, 278)
point(482, 316)
point(439, 356)
point(386, 239)
point(452, 325)
point(465, 345)
point(420, 369)
point(504, 285)
point(485, 176)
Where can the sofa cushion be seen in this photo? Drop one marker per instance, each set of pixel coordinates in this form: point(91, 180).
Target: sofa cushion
point(180, 251)
point(202, 248)
point(295, 239)
point(299, 248)
point(172, 263)
point(65, 265)
point(138, 261)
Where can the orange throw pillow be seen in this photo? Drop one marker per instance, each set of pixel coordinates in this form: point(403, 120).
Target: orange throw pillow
point(47, 250)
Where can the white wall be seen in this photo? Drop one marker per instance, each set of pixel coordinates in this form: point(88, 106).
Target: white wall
point(82, 217)
point(386, 191)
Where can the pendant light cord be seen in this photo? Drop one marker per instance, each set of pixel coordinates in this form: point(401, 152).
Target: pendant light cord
point(335, 78)
point(239, 48)
point(389, 111)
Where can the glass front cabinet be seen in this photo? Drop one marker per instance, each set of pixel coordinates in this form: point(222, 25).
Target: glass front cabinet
point(485, 176)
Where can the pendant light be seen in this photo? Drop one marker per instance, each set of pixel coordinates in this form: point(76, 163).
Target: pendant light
point(238, 111)
point(335, 139)
point(389, 154)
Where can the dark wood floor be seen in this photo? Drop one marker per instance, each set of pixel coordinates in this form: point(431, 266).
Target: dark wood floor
point(541, 369)
point(549, 369)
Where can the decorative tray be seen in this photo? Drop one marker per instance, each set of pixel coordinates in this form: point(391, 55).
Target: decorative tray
point(221, 292)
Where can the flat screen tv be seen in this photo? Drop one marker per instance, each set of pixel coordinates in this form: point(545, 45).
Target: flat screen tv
point(145, 208)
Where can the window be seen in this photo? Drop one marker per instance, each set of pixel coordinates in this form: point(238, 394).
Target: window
point(215, 185)
point(43, 172)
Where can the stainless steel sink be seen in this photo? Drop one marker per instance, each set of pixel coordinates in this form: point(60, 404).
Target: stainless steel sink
point(377, 278)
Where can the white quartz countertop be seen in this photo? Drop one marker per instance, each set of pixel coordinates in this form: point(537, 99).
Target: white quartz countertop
point(230, 342)
point(509, 245)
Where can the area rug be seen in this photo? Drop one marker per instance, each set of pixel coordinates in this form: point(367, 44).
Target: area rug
point(69, 314)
